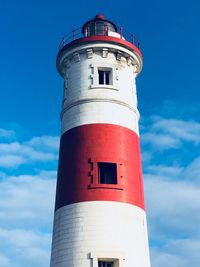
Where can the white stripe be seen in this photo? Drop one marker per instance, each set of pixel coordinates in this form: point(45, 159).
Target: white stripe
point(99, 229)
point(100, 112)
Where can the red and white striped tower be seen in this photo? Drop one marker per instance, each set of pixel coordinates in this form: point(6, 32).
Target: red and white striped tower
point(100, 220)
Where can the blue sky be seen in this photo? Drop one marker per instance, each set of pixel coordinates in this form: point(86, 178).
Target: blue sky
point(168, 96)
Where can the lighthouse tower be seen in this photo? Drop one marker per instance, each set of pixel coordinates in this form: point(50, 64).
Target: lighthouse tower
point(100, 218)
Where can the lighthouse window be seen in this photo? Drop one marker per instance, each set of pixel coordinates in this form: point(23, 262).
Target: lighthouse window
point(105, 264)
point(104, 76)
point(107, 173)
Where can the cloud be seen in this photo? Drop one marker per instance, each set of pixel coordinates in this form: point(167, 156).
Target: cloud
point(177, 253)
point(23, 238)
point(160, 140)
point(47, 142)
point(188, 247)
point(164, 259)
point(28, 200)
point(146, 156)
point(24, 248)
point(8, 161)
point(184, 130)
point(173, 172)
point(26, 219)
point(192, 172)
point(41, 149)
point(172, 205)
point(173, 210)
point(4, 261)
point(6, 133)
point(172, 190)
point(161, 133)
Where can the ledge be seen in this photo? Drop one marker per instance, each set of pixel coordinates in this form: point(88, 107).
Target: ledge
point(104, 87)
point(105, 186)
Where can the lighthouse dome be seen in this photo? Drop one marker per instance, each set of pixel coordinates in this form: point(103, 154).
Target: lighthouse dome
point(98, 26)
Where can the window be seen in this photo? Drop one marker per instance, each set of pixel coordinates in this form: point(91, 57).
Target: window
point(105, 264)
point(106, 259)
point(104, 77)
point(107, 174)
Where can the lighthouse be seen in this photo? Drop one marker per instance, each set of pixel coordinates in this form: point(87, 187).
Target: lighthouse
point(100, 218)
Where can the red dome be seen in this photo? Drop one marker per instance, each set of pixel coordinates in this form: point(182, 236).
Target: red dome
point(99, 16)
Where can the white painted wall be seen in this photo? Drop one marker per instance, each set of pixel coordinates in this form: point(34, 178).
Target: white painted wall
point(86, 231)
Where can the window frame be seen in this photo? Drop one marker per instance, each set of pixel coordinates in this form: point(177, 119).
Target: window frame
point(107, 75)
point(93, 175)
point(113, 77)
point(116, 257)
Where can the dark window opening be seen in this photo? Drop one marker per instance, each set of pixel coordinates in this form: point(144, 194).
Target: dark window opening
point(104, 77)
point(107, 173)
point(105, 264)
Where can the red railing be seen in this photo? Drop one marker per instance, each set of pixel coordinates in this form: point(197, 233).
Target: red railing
point(77, 33)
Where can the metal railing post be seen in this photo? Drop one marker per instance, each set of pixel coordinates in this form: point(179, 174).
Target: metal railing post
point(105, 29)
point(132, 38)
point(95, 28)
point(121, 30)
point(88, 30)
point(62, 43)
point(74, 34)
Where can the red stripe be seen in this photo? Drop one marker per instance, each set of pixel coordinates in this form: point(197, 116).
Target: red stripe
point(80, 150)
point(109, 39)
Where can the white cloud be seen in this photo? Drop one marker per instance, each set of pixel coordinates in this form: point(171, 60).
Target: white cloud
point(8, 161)
point(172, 191)
point(48, 142)
point(20, 238)
point(146, 156)
point(6, 133)
point(185, 130)
point(192, 172)
point(160, 140)
point(167, 171)
point(177, 253)
point(172, 206)
point(25, 248)
point(27, 199)
point(26, 218)
point(41, 149)
point(165, 133)
point(188, 247)
point(162, 258)
point(173, 209)
point(27, 202)
point(4, 261)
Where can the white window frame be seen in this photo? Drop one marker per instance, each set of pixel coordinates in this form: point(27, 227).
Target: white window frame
point(115, 257)
point(95, 76)
point(110, 74)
